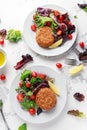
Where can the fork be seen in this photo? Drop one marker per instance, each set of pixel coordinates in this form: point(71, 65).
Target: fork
point(1, 110)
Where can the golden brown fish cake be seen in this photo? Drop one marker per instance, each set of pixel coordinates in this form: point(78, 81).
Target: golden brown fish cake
point(44, 37)
point(46, 99)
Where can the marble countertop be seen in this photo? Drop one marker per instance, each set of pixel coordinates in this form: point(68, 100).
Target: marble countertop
point(13, 14)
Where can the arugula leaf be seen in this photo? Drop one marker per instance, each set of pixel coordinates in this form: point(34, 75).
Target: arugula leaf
point(23, 127)
point(25, 74)
point(13, 35)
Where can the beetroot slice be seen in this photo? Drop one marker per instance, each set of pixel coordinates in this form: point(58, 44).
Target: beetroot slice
point(25, 59)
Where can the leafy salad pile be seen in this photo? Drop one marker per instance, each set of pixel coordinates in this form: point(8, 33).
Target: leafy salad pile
point(60, 24)
point(30, 83)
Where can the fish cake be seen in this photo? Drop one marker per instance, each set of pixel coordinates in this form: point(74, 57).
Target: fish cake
point(44, 37)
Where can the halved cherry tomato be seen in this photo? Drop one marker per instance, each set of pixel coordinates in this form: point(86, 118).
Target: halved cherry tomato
point(33, 27)
point(70, 36)
point(34, 74)
point(1, 41)
point(32, 111)
point(81, 44)
point(28, 85)
point(20, 97)
point(42, 76)
point(20, 84)
point(59, 65)
point(32, 97)
point(61, 18)
point(3, 77)
point(48, 24)
point(59, 32)
point(56, 13)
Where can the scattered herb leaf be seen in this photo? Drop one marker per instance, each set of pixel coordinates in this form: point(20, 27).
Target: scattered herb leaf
point(78, 96)
point(25, 59)
point(23, 127)
point(75, 17)
point(83, 6)
point(14, 35)
point(76, 113)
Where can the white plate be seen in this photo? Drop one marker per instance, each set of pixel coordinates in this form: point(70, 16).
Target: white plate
point(29, 35)
point(44, 117)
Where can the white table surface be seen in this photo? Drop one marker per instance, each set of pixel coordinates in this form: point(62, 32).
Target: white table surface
point(13, 14)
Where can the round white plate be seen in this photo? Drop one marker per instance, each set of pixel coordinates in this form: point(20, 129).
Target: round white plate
point(30, 39)
point(60, 81)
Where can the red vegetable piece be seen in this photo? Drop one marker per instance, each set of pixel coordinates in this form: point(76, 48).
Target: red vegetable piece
point(33, 27)
point(34, 74)
point(28, 84)
point(32, 111)
point(3, 77)
point(2, 41)
point(20, 84)
point(81, 44)
point(59, 65)
point(25, 59)
point(70, 36)
point(20, 97)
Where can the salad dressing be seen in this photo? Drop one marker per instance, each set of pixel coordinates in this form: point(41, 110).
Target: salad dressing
point(2, 58)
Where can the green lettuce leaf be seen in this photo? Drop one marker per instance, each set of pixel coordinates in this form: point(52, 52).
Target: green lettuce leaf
point(23, 127)
point(13, 35)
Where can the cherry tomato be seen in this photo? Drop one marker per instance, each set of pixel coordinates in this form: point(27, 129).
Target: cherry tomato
point(34, 74)
point(3, 77)
point(42, 76)
point(20, 84)
point(32, 111)
point(56, 13)
point(70, 36)
point(81, 44)
point(1, 41)
point(33, 27)
point(48, 24)
point(59, 32)
point(59, 65)
point(20, 97)
point(32, 97)
point(61, 18)
point(28, 84)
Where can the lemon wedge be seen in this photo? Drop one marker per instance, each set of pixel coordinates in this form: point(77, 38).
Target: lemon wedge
point(54, 88)
point(76, 69)
point(56, 44)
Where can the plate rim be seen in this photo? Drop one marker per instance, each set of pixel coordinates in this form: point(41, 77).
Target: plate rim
point(32, 123)
point(51, 54)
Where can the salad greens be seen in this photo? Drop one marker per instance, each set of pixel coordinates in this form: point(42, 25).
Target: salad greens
point(41, 21)
point(30, 83)
point(25, 74)
point(77, 113)
point(23, 127)
point(27, 104)
point(14, 35)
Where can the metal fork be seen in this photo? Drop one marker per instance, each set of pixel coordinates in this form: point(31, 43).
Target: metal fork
point(1, 110)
